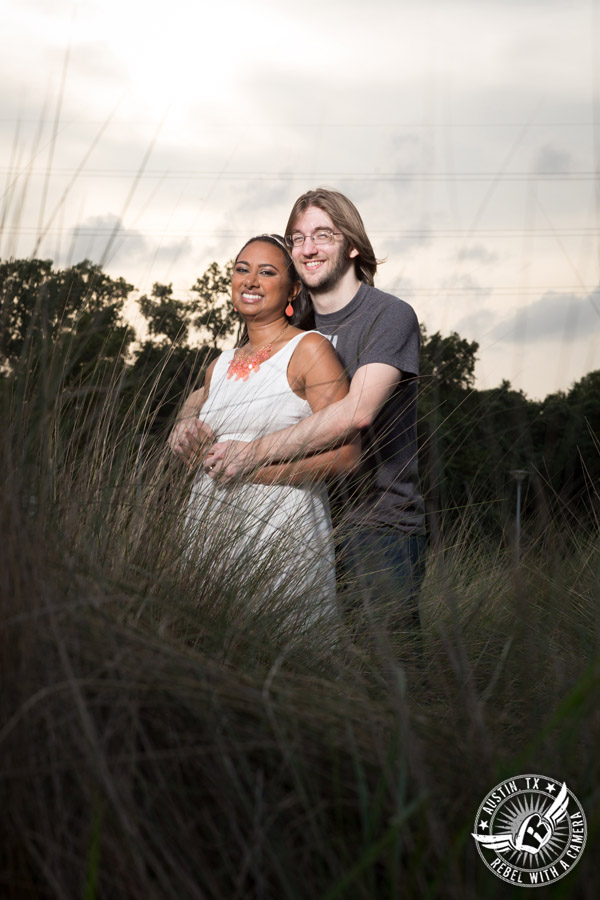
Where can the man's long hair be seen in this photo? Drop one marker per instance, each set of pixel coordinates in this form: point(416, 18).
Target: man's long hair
point(346, 219)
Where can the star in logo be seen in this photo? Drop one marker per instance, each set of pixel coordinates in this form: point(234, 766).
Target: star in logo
point(530, 829)
point(534, 832)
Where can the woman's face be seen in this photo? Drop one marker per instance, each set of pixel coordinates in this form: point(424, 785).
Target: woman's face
point(260, 285)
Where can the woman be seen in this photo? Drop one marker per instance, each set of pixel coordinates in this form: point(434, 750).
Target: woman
point(275, 529)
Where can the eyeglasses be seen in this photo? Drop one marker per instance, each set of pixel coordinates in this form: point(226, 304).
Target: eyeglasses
point(320, 236)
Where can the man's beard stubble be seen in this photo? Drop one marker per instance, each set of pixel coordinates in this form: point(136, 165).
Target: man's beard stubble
point(340, 268)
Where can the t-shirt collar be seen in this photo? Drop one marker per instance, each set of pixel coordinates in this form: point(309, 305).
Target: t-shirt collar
point(349, 309)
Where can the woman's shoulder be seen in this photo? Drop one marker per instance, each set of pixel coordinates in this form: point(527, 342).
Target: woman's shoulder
point(312, 350)
point(312, 342)
point(304, 343)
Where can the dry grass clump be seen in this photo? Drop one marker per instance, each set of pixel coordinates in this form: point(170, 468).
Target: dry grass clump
point(167, 733)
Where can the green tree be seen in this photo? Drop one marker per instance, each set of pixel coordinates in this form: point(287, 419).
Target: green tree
point(165, 315)
point(447, 363)
point(74, 314)
point(160, 378)
point(166, 368)
point(470, 440)
point(446, 390)
point(214, 312)
point(63, 347)
point(567, 438)
point(502, 421)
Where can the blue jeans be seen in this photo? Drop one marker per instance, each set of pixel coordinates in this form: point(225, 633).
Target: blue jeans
point(382, 570)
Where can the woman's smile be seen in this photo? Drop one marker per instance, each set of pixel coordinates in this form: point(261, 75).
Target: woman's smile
point(260, 281)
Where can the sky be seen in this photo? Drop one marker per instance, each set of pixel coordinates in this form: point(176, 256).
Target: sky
point(155, 138)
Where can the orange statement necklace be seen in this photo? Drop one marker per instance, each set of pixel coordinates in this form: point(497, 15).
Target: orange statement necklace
point(244, 363)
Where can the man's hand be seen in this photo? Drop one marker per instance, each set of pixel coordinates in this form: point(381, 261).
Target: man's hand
point(189, 439)
point(229, 460)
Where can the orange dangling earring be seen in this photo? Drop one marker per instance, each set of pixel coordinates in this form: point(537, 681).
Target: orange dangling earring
point(289, 310)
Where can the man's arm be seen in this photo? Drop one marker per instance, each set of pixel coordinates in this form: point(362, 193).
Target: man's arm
point(369, 389)
point(319, 466)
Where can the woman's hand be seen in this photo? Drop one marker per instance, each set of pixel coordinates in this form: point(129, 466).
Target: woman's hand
point(191, 436)
point(189, 439)
point(229, 460)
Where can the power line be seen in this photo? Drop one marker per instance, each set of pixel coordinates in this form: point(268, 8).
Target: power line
point(318, 125)
point(386, 177)
point(83, 231)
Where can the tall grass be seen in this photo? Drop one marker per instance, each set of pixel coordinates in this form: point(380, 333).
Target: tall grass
point(166, 733)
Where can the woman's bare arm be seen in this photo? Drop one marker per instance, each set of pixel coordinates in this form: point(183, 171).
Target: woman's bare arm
point(190, 436)
point(371, 386)
point(316, 375)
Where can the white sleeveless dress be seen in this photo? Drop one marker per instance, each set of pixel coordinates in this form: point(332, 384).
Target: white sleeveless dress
point(275, 541)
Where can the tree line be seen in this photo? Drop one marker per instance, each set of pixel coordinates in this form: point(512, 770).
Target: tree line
point(64, 339)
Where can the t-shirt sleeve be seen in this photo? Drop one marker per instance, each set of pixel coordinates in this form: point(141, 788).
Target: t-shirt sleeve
point(392, 337)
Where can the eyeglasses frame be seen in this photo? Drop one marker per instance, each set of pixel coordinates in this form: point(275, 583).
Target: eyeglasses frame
point(290, 243)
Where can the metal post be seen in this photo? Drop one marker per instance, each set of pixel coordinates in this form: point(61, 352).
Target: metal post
point(139, 438)
point(518, 475)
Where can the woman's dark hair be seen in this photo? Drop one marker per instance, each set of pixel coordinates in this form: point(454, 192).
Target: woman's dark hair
point(303, 315)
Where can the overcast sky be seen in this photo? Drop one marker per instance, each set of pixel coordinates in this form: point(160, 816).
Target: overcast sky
point(156, 137)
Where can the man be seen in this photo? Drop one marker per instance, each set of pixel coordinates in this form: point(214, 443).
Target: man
point(379, 512)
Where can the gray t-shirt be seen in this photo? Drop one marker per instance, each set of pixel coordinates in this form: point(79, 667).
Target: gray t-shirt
point(376, 327)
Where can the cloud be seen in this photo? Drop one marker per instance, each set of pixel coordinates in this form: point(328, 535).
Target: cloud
point(551, 160)
point(466, 284)
point(99, 237)
point(555, 316)
point(477, 253)
point(450, 172)
point(400, 248)
point(95, 62)
point(259, 197)
point(170, 251)
point(476, 324)
point(104, 239)
point(397, 284)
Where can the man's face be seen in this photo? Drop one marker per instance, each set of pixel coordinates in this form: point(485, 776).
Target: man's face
point(320, 266)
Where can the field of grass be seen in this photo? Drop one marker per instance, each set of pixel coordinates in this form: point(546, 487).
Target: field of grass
point(166, 735)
